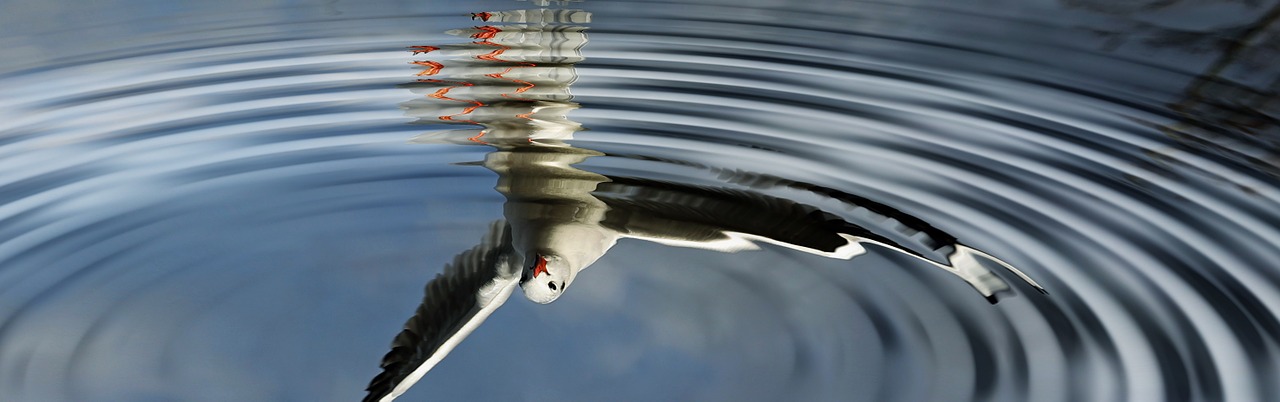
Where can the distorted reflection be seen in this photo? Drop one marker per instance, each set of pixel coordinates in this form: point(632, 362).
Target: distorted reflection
point(1231, 108)
point(513, 81)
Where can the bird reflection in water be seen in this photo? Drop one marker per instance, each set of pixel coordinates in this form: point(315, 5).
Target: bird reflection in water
point(513, 81)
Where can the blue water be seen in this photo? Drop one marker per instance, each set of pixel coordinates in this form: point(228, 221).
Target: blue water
point(243, 201)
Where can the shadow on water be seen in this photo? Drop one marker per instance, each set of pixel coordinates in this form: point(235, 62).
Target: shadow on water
point(513, 81)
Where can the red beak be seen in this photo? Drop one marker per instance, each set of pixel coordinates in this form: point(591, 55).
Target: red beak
point(541, 267)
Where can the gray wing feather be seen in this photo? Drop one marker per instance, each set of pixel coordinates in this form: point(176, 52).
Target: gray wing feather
point(658, 209)
point(662, 209)
point(452, 301)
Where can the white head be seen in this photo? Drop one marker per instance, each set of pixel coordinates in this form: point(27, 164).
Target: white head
point(545, 277)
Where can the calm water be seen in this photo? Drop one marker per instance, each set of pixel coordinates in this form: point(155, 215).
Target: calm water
point(243, 201)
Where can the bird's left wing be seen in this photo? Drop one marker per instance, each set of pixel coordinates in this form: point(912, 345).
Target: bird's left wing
point(456, 302)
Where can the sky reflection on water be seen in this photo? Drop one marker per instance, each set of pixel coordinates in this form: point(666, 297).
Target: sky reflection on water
point(217, 202)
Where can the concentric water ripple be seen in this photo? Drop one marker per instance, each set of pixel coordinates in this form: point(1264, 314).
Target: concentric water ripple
point(224, 203)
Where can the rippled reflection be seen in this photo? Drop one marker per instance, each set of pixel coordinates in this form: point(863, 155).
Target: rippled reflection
point(514, 82)
point(1231, 109)
point(214, 201)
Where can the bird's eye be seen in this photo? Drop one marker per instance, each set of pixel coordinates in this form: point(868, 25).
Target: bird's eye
point(551, 285)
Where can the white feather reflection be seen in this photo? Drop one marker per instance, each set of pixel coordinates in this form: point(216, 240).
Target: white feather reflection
point(560, 219)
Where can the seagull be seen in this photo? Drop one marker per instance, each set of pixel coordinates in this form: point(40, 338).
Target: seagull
point(560, 219)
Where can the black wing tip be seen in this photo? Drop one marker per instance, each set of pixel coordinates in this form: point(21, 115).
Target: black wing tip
point(995, 300)
point(379, 387)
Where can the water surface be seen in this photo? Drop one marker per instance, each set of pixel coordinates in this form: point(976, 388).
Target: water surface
point(244, 200)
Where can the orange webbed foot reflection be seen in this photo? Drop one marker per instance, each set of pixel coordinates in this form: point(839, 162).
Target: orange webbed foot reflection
point(423, 49)
point(432, 67)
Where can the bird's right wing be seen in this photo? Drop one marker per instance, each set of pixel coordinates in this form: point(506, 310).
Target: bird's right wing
point(722, 219)
point(731, 219)
point(456, 302)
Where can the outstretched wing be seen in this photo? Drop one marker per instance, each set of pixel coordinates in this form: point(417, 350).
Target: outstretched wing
point(729, 220)
point(724, 219)
point(456, 302)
